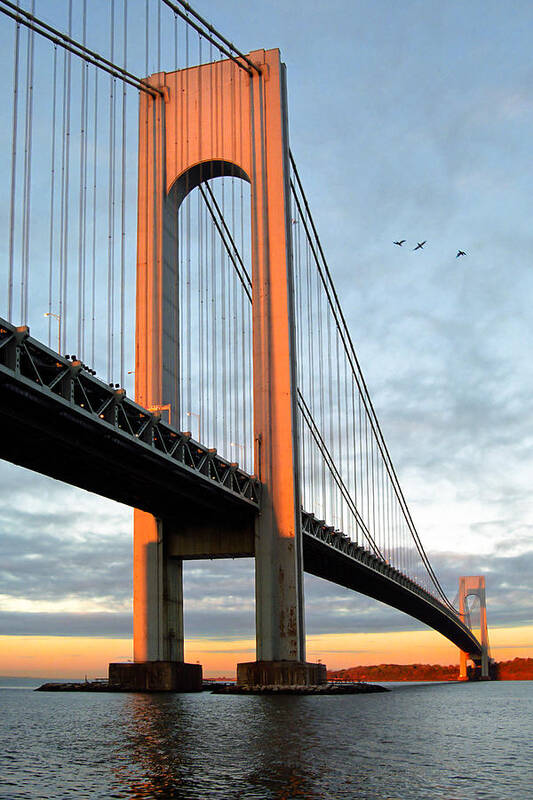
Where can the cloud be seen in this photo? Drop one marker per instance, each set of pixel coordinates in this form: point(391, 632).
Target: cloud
point(113, 625)
point(66, 569)
point(219, 600)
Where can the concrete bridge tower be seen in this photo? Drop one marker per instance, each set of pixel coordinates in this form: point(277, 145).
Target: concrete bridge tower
point(474, 585)
point(207, 121)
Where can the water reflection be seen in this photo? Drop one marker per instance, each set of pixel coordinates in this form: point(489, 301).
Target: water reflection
point(277, 751)
point(182, 747)
point(178, 747)
point(154, 759)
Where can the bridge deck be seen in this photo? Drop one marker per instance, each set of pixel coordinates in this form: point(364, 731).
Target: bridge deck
point(61, 421)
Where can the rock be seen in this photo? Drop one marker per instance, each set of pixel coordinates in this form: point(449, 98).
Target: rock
point(327, 688)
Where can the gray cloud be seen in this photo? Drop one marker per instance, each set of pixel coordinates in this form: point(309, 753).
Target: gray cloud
point(116, 625)
point(50, 553)
point(219, 601)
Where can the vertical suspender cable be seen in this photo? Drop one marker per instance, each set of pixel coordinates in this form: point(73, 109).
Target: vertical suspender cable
point(26, 206)
point(210, 275)
point(13, 172)
point(111, 212)
point(84, 228)
point(176, 399)
point(159, 37)
point(382, 504)
point(347, 432)
point(81, 220)
point(354, 448)
point(237, 332)
point(386, 549)
point(338, 448)
point(235, 366)
point(213, 333)
point(201, 264)
point(200, 306)
point(320, 304)
point(94, 188)
point(189, 303)
point(178, 272)
point(390, 525)
point(65, 189)
point(299, 300)
point(64, 313)
point(146, 38)
point(330, 408)
point(226, 433)
point(361, 472)
point(52, 192)
point(123, 203)
point(311, 360)
point(188, 234)
point(367, 480)
point(62, 198)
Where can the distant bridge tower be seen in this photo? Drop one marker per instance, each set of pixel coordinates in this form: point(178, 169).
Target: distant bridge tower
point(190, 130)
point(474, 585)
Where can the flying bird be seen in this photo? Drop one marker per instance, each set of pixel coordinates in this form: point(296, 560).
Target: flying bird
point(420, 245)
point(400, 242)
point(460, 253)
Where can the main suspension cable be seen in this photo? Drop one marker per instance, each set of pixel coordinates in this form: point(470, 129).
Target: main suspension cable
point(350, 351)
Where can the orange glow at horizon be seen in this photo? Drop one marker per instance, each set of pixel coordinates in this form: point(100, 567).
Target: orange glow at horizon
point(74, 657)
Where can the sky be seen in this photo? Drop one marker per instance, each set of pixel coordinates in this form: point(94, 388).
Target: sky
point(407, 120)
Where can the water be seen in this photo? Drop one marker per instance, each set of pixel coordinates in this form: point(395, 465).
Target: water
point(423, 742)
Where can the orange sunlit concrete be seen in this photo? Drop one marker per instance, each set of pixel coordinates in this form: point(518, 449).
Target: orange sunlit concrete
point(75, 657)
point(248, 136)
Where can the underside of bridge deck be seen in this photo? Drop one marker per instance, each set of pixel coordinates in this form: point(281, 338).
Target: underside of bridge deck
point(45, 434)
point(326, 562)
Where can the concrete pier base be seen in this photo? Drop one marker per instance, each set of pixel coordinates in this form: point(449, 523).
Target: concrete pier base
point(156, 676)
point(280, 673)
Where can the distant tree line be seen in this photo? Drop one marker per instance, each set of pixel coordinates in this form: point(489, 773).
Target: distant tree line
point(519, 669)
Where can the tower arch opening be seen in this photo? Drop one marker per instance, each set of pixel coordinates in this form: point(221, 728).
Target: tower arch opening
point(204, 171)
point(214, 291)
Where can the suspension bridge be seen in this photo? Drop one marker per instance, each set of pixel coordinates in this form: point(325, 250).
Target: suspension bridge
point(158, 244)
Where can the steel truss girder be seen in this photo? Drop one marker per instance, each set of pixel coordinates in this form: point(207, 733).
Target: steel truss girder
point(376, 578)
point(43, 371)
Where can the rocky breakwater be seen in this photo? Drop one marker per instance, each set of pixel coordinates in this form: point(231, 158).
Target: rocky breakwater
point(322, 689)
point(83, 686)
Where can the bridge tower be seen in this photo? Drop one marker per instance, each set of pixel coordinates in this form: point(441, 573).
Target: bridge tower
point(474, 586)
point(179, 148)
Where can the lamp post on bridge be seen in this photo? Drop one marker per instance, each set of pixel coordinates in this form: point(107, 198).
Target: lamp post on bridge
point(199, 418)
point(56, 316)
point(241, 447)
point(158, 408)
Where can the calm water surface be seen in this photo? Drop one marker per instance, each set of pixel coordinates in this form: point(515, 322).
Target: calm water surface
point(442, 741)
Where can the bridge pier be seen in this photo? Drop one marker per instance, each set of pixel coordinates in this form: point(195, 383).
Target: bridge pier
point(463, 669)
point(280, 630)
point(157, 616)
point(157, 594)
